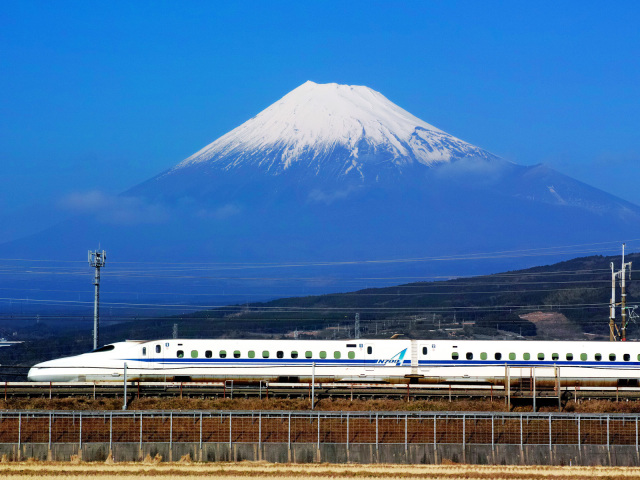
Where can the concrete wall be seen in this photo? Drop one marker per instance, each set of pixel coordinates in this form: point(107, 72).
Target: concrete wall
point(616, 455)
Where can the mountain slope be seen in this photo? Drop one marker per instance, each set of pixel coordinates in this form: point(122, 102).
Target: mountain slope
point(339, 179)
point(329, 143)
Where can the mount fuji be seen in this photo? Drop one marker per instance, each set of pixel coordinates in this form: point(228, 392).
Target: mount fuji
point(340, 174)
point(332, 130)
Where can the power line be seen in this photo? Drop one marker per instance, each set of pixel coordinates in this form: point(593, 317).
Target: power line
point(552, 250)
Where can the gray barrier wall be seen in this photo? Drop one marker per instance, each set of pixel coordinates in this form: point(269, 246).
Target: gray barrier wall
point(589, 455)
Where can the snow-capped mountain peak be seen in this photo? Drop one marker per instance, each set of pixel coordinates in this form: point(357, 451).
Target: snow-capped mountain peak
point(342, 129)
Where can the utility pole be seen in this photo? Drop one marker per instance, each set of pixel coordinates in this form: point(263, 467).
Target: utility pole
point(356, 329)
point(96, 260)
point(622, 275)
point(612, 307)
point(623, 296)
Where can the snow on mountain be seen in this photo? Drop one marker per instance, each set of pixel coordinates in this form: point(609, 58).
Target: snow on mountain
point(340, 128)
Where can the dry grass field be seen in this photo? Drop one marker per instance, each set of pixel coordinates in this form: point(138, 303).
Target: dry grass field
point(259, 470)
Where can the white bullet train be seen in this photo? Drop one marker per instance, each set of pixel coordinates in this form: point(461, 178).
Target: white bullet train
point(361, 360)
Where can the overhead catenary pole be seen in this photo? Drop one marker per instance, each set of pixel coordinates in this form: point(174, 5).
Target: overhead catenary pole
point(313, 382)
point(612, 306)
point(97, 260)
point(124, 377)
point(623, 296)
point(622, 275)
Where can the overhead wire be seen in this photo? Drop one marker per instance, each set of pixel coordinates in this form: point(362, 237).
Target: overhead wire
point(479, 255)
point(165, 273)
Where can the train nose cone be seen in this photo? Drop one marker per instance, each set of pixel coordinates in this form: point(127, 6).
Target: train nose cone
point(60, 370)
point(35, 374)
point(47, 372)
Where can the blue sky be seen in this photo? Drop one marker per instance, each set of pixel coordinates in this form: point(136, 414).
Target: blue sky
point(104, 95)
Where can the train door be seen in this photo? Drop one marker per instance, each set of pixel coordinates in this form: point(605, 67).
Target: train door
point(423, 353)
point(369, 357)
point(158, 354)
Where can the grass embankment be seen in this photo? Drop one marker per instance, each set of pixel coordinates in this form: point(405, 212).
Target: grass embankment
point(242, 470)
point(81, 403)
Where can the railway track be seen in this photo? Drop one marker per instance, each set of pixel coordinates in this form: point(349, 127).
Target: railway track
point(11, 390)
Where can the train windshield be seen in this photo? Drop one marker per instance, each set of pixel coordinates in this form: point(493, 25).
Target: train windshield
point(106, 348)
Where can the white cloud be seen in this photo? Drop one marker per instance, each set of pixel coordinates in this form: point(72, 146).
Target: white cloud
point(114, 209)
point(480, 169)
point(318, 196)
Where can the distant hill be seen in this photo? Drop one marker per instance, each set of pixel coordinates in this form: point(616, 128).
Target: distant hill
point(564, 300)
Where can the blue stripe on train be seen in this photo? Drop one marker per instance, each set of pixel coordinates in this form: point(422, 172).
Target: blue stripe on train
point(383, 363)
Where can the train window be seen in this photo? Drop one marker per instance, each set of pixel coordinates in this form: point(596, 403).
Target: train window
point(208, 354)
point(469, 356)
point(236, 354)
point(612, 357)
point(598, 357)
point(251, 354)
point(512, 356)
point(370, 350)
point(308, 354)
point(323, 354)
point(498, 356)
point(555, 356)
point(144, 351)
point(639, 357)
point(351, 345)
point(352, 355)
point(454, 356)
point(223, 354)
point(583, 356)
point(194, 353)
point(526, 356)
point(424, 350)
point(483, 356)
point(569, 356)
point(294, 354)
point(336, 354)
point(265, 354)
point(626, 357)
point(179, 354)
point(280, 354)
point(541, 356)
point(159, 349)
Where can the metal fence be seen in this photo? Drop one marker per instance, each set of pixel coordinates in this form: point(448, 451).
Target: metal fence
point(294, 427)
